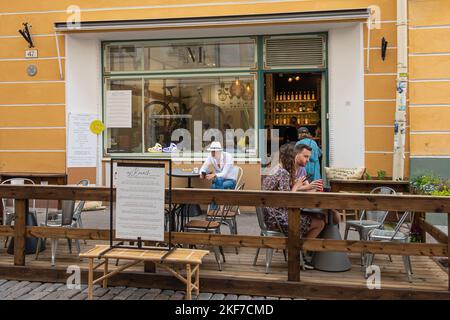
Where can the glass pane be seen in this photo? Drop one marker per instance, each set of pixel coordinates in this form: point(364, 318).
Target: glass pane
point(127, 57)
point(191, 112)
point(181, 55)
point(127, 140)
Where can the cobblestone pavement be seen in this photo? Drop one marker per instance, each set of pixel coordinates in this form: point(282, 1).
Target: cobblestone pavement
point(25, 290)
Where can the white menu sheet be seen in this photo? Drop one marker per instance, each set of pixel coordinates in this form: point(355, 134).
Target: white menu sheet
point(118, 109)
point(140, 203)
point(81, 142)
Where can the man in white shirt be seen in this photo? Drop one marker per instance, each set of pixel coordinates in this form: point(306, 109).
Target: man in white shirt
point(225, 173)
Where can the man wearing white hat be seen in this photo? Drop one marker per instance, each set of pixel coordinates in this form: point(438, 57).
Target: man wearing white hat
point(225, 173)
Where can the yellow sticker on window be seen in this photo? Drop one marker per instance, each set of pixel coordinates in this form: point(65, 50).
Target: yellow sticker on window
point(97, 127)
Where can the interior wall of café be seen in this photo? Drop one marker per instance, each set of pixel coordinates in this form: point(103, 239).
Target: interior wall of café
point(33, 110)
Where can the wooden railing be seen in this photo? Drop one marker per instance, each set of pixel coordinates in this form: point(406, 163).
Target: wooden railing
point(293, 201)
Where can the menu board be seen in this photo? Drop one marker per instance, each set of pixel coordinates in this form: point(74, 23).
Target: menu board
point(140, 191)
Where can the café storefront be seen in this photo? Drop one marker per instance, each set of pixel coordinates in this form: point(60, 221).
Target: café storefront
point(192, 81)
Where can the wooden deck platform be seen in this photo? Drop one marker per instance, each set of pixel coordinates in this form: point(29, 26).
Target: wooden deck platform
point(427, 273)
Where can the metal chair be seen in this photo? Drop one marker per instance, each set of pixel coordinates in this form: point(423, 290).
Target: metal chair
point(79, 209)
point(9, 214)
point(369, 219)
point(230, 218)
point(210, 226)
point(68, 217)
point(396, 235)
point(266, 232)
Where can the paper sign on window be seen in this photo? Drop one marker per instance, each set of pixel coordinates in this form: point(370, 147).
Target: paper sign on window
point(118, 109)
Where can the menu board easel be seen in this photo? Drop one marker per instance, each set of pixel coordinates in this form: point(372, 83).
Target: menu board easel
point(140, 201)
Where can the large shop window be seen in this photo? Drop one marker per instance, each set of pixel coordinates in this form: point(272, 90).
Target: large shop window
point(187, 109)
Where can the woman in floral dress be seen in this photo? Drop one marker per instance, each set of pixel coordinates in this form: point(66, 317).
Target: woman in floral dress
point(281, 179)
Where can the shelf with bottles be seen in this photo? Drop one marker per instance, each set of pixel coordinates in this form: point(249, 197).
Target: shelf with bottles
point(295, 96)
point(280, 120)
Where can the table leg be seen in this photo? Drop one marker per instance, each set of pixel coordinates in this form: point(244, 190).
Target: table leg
point(188, 282)
point(330, 260)
point(105, 281)
point(91, 278)
point(197, 280)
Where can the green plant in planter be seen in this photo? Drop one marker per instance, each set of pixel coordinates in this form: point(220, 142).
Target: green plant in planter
point(367, 176)
point(431, 185)
point(381, 174)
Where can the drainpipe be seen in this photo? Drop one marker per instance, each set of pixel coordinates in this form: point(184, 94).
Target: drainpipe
point(402, 85)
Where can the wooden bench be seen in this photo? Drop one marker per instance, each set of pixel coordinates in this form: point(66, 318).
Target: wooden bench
point(192, 259)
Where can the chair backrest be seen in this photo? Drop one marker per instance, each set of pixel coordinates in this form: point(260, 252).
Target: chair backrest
point(260, 216)
point(239, 175)
point(83, 182)
point(18, 181)
point(404, 224)
point(68, 210)
point(377, 215)
point(80, 205)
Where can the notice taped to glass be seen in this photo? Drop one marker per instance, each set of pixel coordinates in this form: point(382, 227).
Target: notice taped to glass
point(140, 202)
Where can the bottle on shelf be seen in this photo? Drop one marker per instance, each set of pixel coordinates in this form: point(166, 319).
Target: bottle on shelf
point(308, 96)
point(296, 96)
point(304, 95)
point(284, 108)
point(277, 97)
point(306, 119)
point(300, 95)
point(313, 96)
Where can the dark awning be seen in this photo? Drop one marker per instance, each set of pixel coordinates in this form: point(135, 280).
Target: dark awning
point(219, 21)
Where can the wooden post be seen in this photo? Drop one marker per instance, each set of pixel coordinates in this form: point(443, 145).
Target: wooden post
point(20, 211)
point(188, 282)
point(149, 266)
point(105, 272)
point(91, 278)
point(293, 244)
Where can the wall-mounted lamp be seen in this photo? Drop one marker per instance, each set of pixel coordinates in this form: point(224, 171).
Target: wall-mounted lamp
point(384, 44)
point(26, 34)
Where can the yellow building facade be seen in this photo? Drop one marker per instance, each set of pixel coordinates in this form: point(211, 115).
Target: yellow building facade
point(70, 74)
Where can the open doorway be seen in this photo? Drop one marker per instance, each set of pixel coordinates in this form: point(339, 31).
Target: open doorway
point(294, 100)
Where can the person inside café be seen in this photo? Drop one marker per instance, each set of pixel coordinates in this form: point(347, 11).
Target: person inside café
point(313, 165)
point(225, 173)
point(282, 178)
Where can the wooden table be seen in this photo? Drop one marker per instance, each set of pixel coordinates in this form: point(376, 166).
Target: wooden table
point(51, 178)
point(367, 185)
point(190, 258)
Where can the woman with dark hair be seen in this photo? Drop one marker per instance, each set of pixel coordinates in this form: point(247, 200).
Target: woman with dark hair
point(282, 179)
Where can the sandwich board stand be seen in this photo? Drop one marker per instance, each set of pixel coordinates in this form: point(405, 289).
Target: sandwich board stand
point(140, 199)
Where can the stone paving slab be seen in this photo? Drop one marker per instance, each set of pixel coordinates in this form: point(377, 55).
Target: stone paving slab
point(25, 290)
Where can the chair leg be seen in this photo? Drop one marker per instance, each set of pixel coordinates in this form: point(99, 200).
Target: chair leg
point(256, 256)
point(407, 263)
point(38, 247)
point(77, 242)
point(234, 231)
point(80, 225)
point(347, 228)
point(54, 247)
point(221, 252)
point(302, 261)
point(269, 254)
point(217, 254)
point(69, 241)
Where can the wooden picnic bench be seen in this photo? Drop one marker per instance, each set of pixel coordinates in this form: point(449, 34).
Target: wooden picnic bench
point(191, 258)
